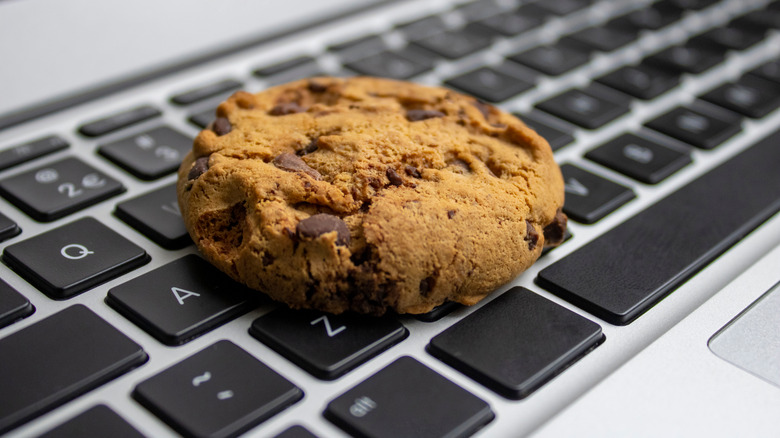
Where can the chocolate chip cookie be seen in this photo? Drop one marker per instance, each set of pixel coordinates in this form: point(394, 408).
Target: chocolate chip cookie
point(369, 195)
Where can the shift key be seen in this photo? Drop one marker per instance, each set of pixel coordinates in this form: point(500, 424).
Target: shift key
point(58, 359)
point(624, 272)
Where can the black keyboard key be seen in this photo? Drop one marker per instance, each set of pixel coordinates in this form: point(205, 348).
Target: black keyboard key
point(203, 118)
point(759, 20)
point(590, 197)
point(640, 158)
point(59, 189)
point(769, 71)
point(296, 431)
point(728, 38)
point(422, 28)
point(687, 58)
point(13, 306)
point(601, 38)
point(392, 64)
point(156, 214)
point(516, 343)
point(407, 399)
point(490, 83)
point(750, 96)
point(151, 154)
point(553, 60)
point(695, 5)
point(97, 422)
point(512, 23)
point(358, 48)
point(8, 228)
point(702, 127)
point(181, 300)
point(635, 271)
point(642, 81)
point(587, 108)
point(57, 359)
point(72, 258)
point(29, 151)
point(206, 91)
point(284, 66)
point(556, 137)
point(653, 17)
point(563, 7)
point(458, 43)
point(480, 9)
point(119, 121)
point(220, 391)
point(327, 346)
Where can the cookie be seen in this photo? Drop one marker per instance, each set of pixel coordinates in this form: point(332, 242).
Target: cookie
point(369, 195)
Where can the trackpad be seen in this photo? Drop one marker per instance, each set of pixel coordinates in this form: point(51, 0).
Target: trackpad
point(751, 341)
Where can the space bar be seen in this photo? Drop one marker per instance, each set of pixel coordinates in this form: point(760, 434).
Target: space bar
point(624, 272)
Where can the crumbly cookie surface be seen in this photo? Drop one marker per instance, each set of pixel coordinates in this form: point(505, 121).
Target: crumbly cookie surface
point(369, 195)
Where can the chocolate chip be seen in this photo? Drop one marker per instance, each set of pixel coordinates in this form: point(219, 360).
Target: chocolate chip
point(460, 166)
point(412, 171)
point(555, 231)
point(221, 126)
point(317, 87)
point(309, 148)
point(416, 115)
point(294, 163)
point(375, 183)
point(200, 167)
point(323, 223)
point(531, 235)
point(451, 214)
point(286, 108)
point(394, 177)
point(483, 107)
point(426, 285)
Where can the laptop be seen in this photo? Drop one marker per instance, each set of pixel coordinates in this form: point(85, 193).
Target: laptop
point(656, 316)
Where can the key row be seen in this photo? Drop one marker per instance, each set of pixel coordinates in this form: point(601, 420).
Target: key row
point(223, 390)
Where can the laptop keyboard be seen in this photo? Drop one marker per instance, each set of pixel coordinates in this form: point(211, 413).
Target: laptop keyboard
point(663, 116)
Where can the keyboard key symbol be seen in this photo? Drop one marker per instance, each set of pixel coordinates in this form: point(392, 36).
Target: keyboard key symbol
point(742, 96)
point(224, 395)
point(692, 122)
point(331, 332)
point(74, 251)
point(203, 378)
point(45, 176)
point(183, 294)
point(362, 406)
point(640, 154)
point(575, 187)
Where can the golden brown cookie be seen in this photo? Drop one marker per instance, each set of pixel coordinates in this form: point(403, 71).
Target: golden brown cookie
point(369, 195)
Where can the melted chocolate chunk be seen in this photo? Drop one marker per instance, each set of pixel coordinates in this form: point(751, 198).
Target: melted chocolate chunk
point(416, 115)
point(531, 235)
point(200, 167)
point(555, 231)
point(426, 285)
point(460, 166)
point(221, 126)
point(317, 87)
point(294, 163)
point(412, 171)
point(286, 108)
point(309, 148)
point(483, 107)
point(394, 177)
point(319, 224)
